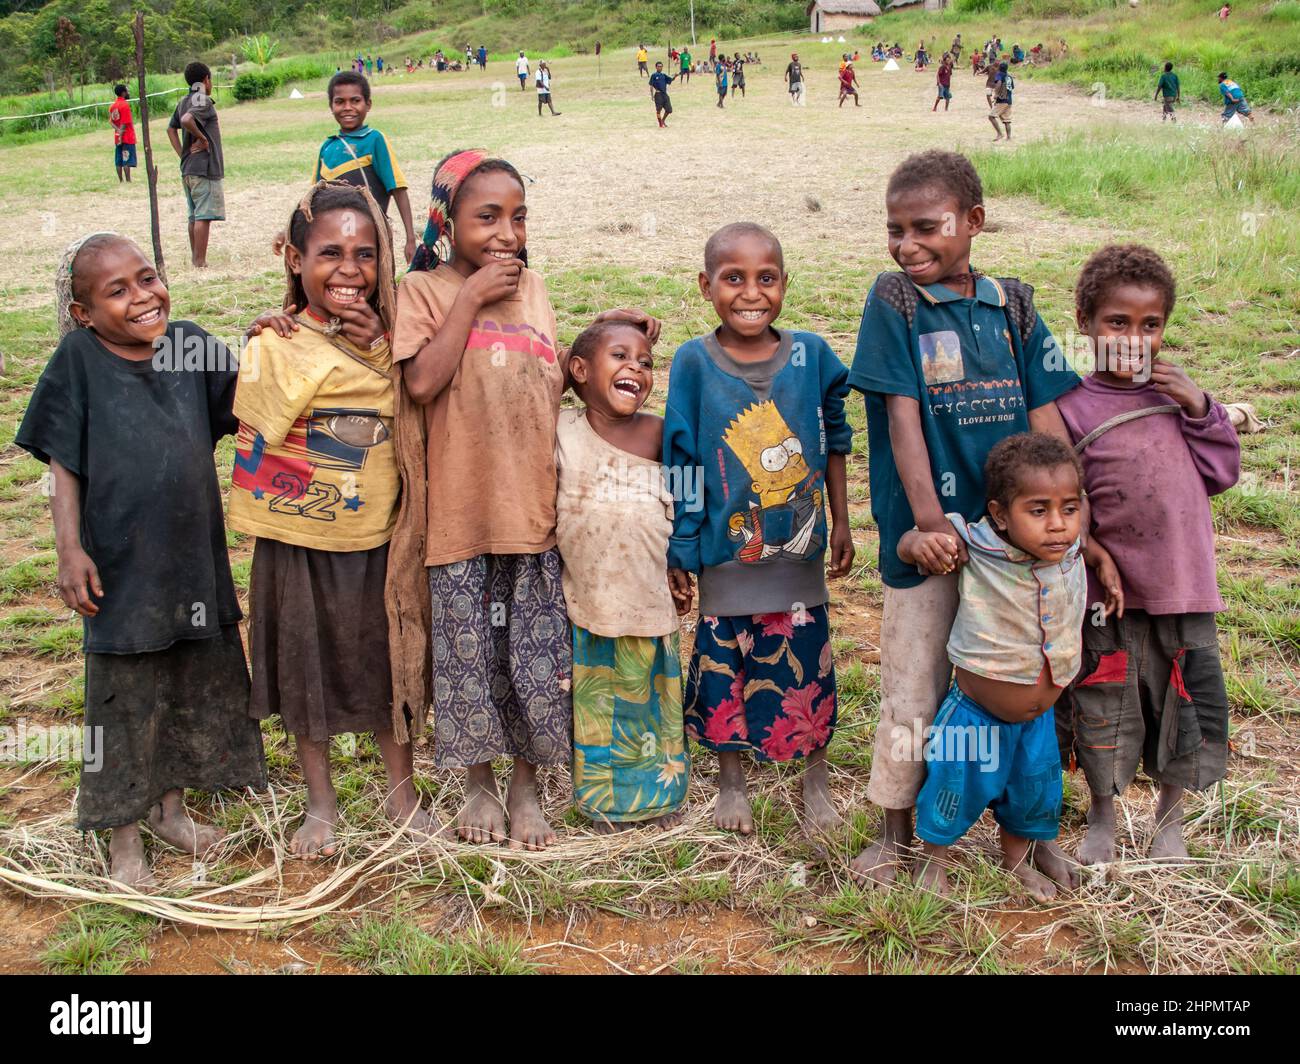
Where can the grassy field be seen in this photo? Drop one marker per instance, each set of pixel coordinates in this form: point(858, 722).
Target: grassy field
point(1118, 50)
point(1115, 50)
point(619, 211)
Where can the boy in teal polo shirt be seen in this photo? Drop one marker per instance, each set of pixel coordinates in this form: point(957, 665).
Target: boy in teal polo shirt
point(1234, 99)
point(950, 362)
point(359, 154)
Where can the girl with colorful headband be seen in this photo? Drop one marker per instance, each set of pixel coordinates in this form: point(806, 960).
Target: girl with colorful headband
point(476, 342)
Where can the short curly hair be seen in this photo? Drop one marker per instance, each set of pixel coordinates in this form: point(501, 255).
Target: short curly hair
point(720, 242)
point(1118, 264)
point(589, 341)
point(1011, 457)
point(947, 172)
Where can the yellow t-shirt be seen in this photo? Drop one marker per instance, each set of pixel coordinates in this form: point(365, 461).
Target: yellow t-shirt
point(314, 459)
point(641, 55)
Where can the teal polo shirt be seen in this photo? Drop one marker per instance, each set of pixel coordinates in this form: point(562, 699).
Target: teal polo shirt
point(963, 362)
point(361, 157)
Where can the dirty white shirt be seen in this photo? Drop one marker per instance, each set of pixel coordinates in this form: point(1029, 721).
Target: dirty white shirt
point(613, 519)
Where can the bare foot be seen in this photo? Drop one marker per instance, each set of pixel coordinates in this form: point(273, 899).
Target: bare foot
point(1099, 844)
point(932, 871)
point(1015, 859)
point(666, 822)
point(1167, 844)
point(1038, 887)
point(1055, 864)
point(171, 823)
point(316, 836)
point(402, 803)
point(612, 827)
point(732, 812)
point(404, 810)
point(878, 865)
point(482, 819)
point(528, 828)
point(819, 814)
point(126, 860)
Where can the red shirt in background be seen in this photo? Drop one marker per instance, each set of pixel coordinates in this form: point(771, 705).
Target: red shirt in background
point(119, 114)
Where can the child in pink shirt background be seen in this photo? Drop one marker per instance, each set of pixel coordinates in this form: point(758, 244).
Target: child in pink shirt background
point(1151, 685)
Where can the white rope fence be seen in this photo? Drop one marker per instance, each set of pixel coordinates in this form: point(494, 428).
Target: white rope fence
point(82, 107)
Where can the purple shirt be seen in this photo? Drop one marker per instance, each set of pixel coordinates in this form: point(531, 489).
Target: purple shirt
point(1149, 482)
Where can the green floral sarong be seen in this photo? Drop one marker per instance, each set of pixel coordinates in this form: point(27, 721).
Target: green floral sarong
point(629, 750)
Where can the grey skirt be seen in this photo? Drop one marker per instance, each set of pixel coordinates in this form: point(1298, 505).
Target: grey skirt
point(318, 637)
point(168, 719)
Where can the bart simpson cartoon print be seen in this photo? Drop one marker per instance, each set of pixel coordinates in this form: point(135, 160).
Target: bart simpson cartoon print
point(782, 523)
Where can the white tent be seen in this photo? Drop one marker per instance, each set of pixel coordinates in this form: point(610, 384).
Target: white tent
point(891, 65)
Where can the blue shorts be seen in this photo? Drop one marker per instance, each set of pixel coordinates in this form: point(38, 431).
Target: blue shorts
point(124, 155)
point(945, 93)
point(1236, 107)
point(975, 762)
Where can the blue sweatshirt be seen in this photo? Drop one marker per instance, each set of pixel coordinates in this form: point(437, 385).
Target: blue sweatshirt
point(745, 447)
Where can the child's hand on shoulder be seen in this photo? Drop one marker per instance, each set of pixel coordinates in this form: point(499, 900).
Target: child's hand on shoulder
point(281, 322)
point(79, 581)
point(1172, 380)
point(682, 589)
point(842, 550)
point(496, 281)
point(637, 317)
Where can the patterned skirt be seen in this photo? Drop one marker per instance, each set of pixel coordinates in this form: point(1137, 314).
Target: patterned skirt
point(502, 663)
point(629, 750)
point(765, 684)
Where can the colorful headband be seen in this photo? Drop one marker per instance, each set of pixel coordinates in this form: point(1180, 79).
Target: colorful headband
point(435, 245)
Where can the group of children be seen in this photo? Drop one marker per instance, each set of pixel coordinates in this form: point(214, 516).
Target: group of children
point(432, 529)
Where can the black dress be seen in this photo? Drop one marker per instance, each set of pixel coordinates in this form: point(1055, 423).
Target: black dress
point(166, 679)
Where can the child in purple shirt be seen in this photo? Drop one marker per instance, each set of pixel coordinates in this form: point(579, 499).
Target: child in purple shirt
point(1154, 448)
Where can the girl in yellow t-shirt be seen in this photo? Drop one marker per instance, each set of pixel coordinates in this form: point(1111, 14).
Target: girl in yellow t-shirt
point(315, 480)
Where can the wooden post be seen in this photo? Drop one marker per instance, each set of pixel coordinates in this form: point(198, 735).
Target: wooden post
point(151, 171)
